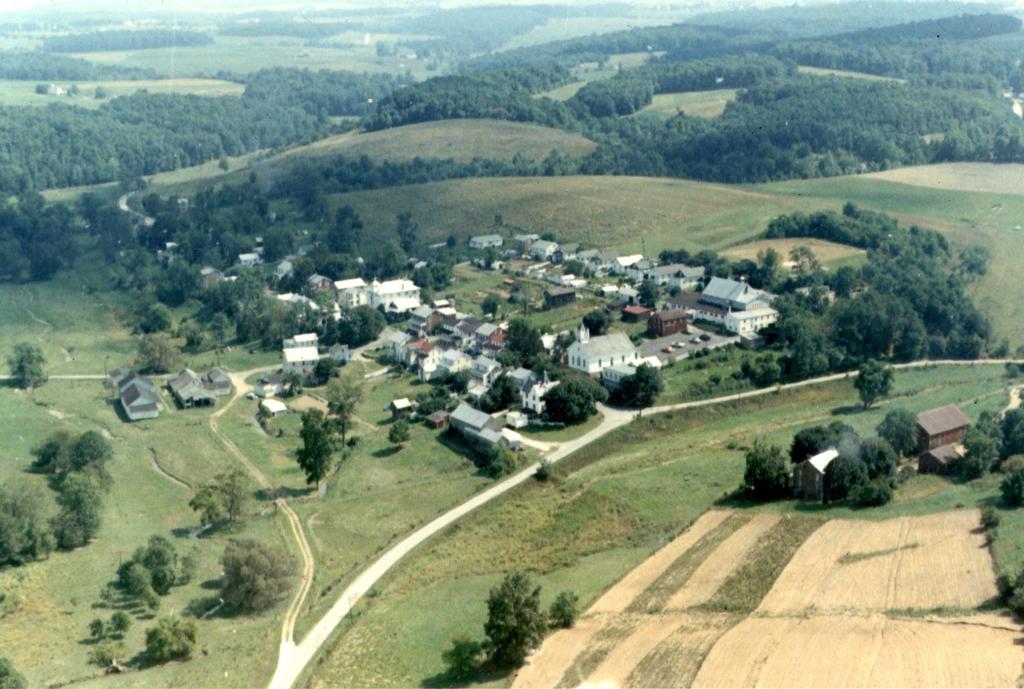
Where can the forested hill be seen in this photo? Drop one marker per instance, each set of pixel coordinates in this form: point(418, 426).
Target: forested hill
point(40, 66)
point(100, 41)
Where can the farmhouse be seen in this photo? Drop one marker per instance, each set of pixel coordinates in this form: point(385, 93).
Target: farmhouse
point(271, 385)
point(485, 241)
point(667, 322)
point(396, 296)
point(809, 476)
point(189, 391)
point(319, 283)
point(478, 428)
point(593, 354)
point(543, 250)
point(139, 397)
point(273, 407)
point(559, 296)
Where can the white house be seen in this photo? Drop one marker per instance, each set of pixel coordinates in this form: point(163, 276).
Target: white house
point(249, 259)
point(297, 300)
point(750, 322)
point(300, 359)
point(398, 296)
point(485, 369)
point(485, 241)
point(340, 353)
point(593, 354)
point(274, 407)
point(439, 364)
point(351, 292)
point(622, 263)
point(543, 250)
point(301, 340)
point(284, 269)
point(532, 397)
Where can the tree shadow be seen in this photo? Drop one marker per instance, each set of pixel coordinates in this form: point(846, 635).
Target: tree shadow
point(197, 607)
point(387, 451)
point(486, 675)
point(848, 410)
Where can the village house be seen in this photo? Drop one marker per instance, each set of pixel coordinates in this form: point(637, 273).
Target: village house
point(485, 241)
point(351, 292)
point(396, 342)
point(273, 408)
point(440, 364)
point(138, 396)
point(523, 242)
point(634, 313)
point(340, 353)
point(271, 385)
point(734, 304)
point(293, 299)
point(593, 354)
point(676, 275)
point(628, 295)
point(532, 397)
point(621, 264)
point(284, 269)
point(809, 476)
point(217, 381)
point(613, 376)
point(667, 322)
point(638, 271)
point(438, 419)
point(424, 320)
point(250, 259)
point(301, 340)
point(210, 276)
point(395, 296)
point(188, 389)
point(415, 351)
point(319, 283)
point(485, 370)
point(543, 250)
point(555, 297)
point(940, 433)
point(301, 360)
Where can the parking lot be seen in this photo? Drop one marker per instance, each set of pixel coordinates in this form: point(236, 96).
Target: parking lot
point(683, 345)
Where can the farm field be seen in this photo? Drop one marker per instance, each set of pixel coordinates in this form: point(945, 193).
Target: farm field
point(692, 103)
point(24, 92)
point(248, 54)
point(614, 504)
point(823, 72)
point(461, 140)
point(664, 623)
point(1005, 178)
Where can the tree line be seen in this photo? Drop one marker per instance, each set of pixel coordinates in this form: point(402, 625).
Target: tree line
point(124, 39)
point(49, 67)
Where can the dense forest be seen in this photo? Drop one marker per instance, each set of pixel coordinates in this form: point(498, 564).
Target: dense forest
point(284, 27)
point(124, 39)
point(39, 66)
point(323, 93)
point(135, 135)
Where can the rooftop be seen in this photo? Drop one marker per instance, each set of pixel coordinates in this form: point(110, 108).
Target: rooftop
point(607, 345)
point(942, 420)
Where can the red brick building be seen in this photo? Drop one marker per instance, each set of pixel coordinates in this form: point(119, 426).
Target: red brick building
point(668, 322)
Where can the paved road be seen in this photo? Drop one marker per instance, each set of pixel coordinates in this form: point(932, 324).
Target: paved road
point(294, 658)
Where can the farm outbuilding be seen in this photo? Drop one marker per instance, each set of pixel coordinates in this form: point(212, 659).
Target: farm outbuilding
point(939, 460)
point(809, 476)
point(941, 426)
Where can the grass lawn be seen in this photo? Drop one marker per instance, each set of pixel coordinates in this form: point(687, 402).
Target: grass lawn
point(691, 103)
point(703, 377)
point(461, 140)
point(610, 506)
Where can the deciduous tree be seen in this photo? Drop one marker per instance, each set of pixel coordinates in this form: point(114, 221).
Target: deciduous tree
point(515, 623)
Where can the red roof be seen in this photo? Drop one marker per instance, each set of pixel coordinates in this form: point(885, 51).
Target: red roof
point(636, 310)
point(421, 345)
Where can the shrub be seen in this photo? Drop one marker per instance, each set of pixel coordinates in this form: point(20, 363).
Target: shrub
point(843, 475)
point(989, 518)
point(543, 470)
point(255, 575)
point(767, 474)
point(1012, 488)
point(172, 638)
point(564, 610)
point(871, 494)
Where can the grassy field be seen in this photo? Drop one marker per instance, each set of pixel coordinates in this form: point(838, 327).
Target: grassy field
point(616, 212)
point(24, 92)
point(830, 254)
point(610, 506)
point(461, 140)
point(691, 103)
point(1005, 178)
point(563, 92)
point(821, 72)
point(245, 54)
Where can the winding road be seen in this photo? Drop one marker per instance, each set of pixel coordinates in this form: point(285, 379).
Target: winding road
point(294, 658)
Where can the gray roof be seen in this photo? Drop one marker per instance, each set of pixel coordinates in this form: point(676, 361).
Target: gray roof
point(423, 312)
point(486, 330)
point(607, 345)
point(474, 418)
point(486, 238)
point(727, 290)
point(543, 244)
point(942, 420)
point(678, 269)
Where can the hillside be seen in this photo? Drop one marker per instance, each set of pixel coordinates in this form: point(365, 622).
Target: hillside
point(461, 140)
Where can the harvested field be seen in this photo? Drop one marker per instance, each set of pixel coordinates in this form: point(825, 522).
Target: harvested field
point(547, 665)
point(618, 598)
point(1004, 178)
point(710, 575)
point(676, 660)
point(934, 561)
point(876, 651)
point(620, 661)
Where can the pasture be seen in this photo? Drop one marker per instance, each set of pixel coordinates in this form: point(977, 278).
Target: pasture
point(691, 103)
point(460, 140)
point(829, 254)
point(615, 503)
point(247, 54)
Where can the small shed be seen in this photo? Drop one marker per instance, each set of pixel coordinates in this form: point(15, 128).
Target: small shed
point(635, 313)
point(438, 419)
point(400, 408)
point(273, 407)
point(559, 296)
point(809, 476)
